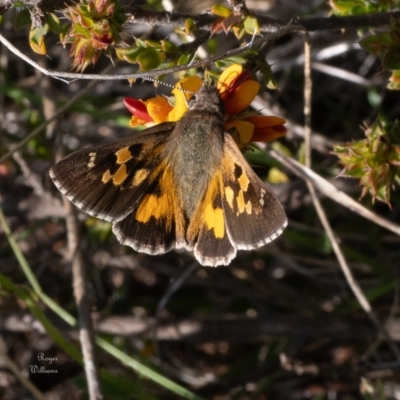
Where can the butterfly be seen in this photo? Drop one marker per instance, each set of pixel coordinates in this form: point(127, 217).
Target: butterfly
point(181, 184)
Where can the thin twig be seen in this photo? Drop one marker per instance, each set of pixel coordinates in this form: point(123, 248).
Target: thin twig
point(340, 73)
point(351, 281)
point(82, 300)
point(333, 192)
point(73, 76)
point(266, 23)
point(86, 332)
point(307, 99)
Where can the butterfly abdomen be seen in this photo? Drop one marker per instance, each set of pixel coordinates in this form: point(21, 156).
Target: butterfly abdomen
point(195, 151)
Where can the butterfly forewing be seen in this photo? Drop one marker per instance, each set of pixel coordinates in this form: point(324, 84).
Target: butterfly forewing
point(108, 181)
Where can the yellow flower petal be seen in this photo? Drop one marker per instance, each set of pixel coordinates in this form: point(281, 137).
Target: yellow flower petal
point(228, 76)
point(242, 97)
point(158, 108)
point(243, 129)
point(264, 121)
point(137, 121)
point(267, 128)
point(191, 84)
point(268, 135)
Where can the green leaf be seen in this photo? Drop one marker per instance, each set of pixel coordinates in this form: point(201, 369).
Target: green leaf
point(184, 59)
point(149, 59)
point(129, 54)
point(55, 24)
point(190, 26)
point(169, 47)
point(221, 11)
point(22, 19)
point(36, 39)
point(251, 25)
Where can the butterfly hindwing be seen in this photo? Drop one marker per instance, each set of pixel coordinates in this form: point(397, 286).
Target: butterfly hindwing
point(254, 216)
point(207, 232)
point(157, 224)
point(237, 212)
point(108, 181)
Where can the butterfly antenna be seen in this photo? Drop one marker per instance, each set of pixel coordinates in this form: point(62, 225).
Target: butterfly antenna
point(245, 76)
point(149, 78)
point(184, 91)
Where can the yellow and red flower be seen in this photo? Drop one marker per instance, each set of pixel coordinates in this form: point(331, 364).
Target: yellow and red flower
point(237, 90)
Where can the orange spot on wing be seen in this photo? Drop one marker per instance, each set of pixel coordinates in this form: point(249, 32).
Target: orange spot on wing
point(209, 214)
point(120, 175)
point(140, 176)
point(214, 219)
point(248, 207)
point(123, 155)
point(229, 196)
point(152, 206)
point(242, 205)
point(106, 176)
point(240, 202)
point(165, 206)
point(244, 182)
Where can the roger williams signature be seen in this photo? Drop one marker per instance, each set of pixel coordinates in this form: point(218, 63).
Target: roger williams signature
point(35, 369)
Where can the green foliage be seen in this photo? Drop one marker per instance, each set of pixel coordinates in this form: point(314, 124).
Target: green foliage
point(354, 7)
point(374, 160)
point(22, 19)
point(385, 45)
point(95, 27)
point(148, 54)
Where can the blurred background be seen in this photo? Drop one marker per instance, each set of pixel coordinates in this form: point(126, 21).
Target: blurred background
point(280, 322)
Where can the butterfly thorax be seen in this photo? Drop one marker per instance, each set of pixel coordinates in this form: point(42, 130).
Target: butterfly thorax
point(195, 148)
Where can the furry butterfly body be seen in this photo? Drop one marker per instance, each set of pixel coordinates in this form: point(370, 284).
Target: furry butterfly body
point(178, 184)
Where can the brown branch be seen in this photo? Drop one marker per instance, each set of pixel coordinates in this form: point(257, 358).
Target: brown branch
point(204, 21)
point(165, 18)
point(352, 22)
point(312, 24)
point(86, 332)
point(70, 75)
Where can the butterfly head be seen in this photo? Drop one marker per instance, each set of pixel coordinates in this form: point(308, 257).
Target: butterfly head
point(207, 99)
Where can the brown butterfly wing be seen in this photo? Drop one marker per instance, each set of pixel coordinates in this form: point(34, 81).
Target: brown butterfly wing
point(254, 216)
point(128, 183)
point(157, 224)
point(207, 233)
point(108, 181)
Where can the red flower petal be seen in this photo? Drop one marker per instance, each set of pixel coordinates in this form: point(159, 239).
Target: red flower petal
point(137, 108)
